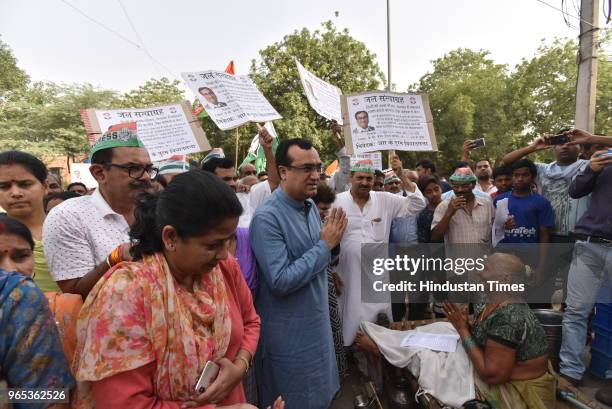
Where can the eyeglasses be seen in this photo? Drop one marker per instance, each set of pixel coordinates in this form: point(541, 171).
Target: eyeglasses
point(136, 171)
point(307, 169)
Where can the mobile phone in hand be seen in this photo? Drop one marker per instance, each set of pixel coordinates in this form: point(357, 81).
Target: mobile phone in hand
point(208, 376)
point(607, 154)
point(559, 139)
point(478, 143)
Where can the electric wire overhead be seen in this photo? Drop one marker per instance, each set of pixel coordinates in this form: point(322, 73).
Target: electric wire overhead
point(144, 48)
point(566, 13)
point(607, 13)
point(121, 36)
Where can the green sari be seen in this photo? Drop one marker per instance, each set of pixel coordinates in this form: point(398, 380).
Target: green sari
point(515, 326)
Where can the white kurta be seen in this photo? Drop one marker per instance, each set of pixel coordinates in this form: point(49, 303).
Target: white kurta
point(372, 225)
point(245, 217)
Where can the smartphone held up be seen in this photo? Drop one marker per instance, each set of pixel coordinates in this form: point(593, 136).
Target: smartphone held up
point(478, 143)
point(561, 138)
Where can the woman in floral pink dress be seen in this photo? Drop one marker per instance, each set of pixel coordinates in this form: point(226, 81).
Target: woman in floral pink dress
point(148, 327)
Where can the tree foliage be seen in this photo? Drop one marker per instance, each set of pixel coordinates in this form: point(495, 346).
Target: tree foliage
point(332, 55)
point(468, 97)
point(153, 92)
point(471, 96)
point(11, 76)
point(44, 118)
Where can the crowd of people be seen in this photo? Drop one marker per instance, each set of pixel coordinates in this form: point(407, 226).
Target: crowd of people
point(126, 293)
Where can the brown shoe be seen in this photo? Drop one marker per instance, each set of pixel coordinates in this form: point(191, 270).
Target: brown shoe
point(604, 395)
point(573, 381)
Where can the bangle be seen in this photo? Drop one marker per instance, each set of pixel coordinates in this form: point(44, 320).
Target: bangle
point(468, 343)
point(246, 362)
point(115, 256)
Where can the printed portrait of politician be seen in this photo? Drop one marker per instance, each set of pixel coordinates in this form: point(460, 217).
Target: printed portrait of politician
point(363, 122)
point(211, 98)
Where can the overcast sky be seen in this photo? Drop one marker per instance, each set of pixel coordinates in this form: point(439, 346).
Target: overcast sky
point(54, 42)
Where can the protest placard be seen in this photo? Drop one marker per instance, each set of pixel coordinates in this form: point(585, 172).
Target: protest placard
point(229, 100)
point(375, 157)
point(383, 120)
point(322, 96)
point(79, 172)
point(164, 130)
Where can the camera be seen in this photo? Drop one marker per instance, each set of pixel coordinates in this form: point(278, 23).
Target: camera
point(561, 138)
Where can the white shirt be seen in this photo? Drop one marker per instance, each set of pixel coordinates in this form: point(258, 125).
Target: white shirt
point(371, 224)
point(553, 183)
point(490, 189)
point(245, 217)
point(79, 234)
point(259, 192)
point(467, 228)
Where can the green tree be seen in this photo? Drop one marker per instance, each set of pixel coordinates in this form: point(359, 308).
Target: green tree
point(603, 116)
point(11, 76)
point(44, 119)
point(543, 92)
point(153, 92)
point(331, 54)
point(469, 98)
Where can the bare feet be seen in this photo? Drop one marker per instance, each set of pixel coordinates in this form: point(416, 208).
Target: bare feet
point(365, 343)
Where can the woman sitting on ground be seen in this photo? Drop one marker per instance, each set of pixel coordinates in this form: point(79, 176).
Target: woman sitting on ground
point(506, 343)
point(148, 327)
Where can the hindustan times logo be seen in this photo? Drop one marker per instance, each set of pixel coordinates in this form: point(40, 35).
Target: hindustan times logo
point(412, 265)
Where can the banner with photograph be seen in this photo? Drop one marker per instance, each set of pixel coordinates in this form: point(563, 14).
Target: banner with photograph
point(229, 100)
point(79, 172)
point(375, 157)
point(383, 120)
point(323, 97)
point(164, 130)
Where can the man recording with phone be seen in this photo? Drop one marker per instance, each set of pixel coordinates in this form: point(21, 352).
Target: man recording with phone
point(592, 260)
point(554, 178)
point(553, 181)
point(482, 169)
point(466, 217)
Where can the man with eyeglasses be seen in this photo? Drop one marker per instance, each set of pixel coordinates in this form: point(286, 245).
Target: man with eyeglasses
point(86, 236)
point(295, 355)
